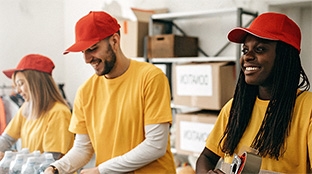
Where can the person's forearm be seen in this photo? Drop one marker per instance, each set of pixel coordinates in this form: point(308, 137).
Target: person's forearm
point(203, 165)
point(206, 161)
point(77, 157)
point(6, 142)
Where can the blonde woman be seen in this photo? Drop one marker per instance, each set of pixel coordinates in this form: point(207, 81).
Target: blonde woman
point(42, 121)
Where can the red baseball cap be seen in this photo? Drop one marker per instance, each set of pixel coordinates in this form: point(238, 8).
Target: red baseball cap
point(271, 26)
point(35, 62)
point(92, 28)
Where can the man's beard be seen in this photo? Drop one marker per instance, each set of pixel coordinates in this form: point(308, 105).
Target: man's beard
point(109, 65)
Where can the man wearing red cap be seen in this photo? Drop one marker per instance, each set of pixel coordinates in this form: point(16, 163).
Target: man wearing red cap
point(122, 113)
point(271, 111)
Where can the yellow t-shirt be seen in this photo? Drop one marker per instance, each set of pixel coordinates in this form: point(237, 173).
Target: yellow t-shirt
point(113, 112)
point(49, 133)
point(298, 144)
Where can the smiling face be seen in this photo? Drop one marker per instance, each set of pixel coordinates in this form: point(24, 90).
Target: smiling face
point(258, 60)
point(101, 57)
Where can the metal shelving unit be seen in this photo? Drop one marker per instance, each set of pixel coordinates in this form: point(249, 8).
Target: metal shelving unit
point(168, 21)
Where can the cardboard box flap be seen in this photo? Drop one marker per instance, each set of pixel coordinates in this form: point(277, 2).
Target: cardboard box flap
point(144, 15)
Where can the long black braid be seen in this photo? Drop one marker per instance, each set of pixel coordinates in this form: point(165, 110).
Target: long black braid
point(275, 127)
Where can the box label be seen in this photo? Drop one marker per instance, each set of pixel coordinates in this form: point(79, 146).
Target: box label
point(193, 135)
point(194, 80)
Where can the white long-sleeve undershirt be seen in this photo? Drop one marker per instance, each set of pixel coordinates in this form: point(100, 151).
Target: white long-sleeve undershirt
point(6, 142)
point(153, 147)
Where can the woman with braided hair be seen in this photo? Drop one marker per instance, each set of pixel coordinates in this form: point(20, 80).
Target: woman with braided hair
point(271, 110)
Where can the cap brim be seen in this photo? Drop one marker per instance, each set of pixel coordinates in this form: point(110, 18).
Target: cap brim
point(80, 46)
point(238, 35)
point(9, 72)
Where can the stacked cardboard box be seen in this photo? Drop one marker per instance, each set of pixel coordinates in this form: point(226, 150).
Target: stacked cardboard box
point(207, 86)
point(134, 32)
point(203, 85)
point(192, 130)
point(170, 45)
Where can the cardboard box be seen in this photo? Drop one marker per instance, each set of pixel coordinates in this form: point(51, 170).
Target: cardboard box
point(170, 45)
point(192, 130)
point(133, 32)
point(203, 85)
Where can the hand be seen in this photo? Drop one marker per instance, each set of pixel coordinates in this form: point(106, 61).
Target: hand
point(49, 170)
point(1, 155)
point(93, 170)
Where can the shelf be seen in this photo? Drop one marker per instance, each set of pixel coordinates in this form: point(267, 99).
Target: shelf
point(186, 15)
point(164, 23)
point(169, 17)
point(191, 59)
